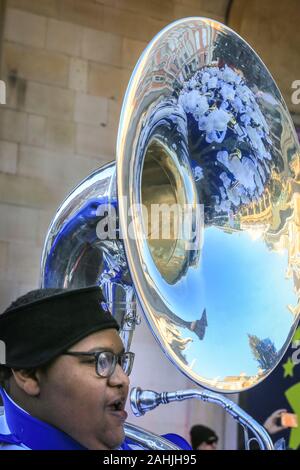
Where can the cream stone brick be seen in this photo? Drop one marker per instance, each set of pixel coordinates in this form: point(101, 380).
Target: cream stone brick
point(217, 7)
point(153, 8)
point(27, 191)
point(8, 293)
point(132, 25)
point(78, 75)
point(96, 141)
point(90, 109)
point(36, 130)
point(27, 286)
point(114, 89)
point(39, 163)
point(112, 3)
point(64, 37)
point(84, 166)
point(154, 26)
point(36, 64)
point(61, 170)
point(101, 47)
point(3, 256)
point(23, 262)
point(8, 157)
point(12, 125)
point(60, 135)
point(184, 11)
point(114, 111)
point(17, 223)
point(105, 80)
point(124, 23)
point(85, 13)
point(131, 51)
point(44, 219)
point(25, 28)
point(49, 101)
point(43, 8)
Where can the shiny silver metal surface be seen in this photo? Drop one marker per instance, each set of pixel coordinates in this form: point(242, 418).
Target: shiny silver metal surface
point(143, 401)
point(76, 255)
point(203, 122)
point(148, 439)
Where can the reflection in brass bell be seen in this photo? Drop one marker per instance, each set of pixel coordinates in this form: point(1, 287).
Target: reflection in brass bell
point(204, 123)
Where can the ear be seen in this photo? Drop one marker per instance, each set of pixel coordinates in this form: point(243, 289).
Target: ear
point(28, 381)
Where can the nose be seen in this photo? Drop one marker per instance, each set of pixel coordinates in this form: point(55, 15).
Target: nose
point(118, 378)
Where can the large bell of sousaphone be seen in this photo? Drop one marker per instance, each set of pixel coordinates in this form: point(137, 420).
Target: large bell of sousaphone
point(207, 196)
point(204, 129)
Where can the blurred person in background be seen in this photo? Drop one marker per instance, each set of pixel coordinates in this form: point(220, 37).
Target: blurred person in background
point(203, 438)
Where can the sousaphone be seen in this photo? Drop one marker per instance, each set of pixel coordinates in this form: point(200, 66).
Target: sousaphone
point(198, 219)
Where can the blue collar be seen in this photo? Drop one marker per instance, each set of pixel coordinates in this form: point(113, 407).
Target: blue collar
point(30, 431)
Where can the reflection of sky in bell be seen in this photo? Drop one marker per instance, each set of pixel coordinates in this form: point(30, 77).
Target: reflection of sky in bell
point(244, 291)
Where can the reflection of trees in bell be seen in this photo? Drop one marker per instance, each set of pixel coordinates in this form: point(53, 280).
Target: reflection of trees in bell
point(264, 351)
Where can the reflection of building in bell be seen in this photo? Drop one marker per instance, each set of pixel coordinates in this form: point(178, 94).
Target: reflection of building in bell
point(257, 212)
point(199, 326)
point(173, 337)
point(232, 382)
point(196, 326)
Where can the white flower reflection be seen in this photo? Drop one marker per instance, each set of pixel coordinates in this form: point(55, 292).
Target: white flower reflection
point(224, 107)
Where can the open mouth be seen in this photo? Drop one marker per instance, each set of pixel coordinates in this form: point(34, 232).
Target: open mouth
point(117, 406)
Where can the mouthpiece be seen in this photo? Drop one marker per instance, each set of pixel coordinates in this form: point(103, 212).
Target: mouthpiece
point(143, 401)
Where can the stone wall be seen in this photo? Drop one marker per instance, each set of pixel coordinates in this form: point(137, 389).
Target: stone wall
point(272, 28)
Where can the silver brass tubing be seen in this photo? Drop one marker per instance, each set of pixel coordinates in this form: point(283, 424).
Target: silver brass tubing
point(148, 439)
point(146, 400)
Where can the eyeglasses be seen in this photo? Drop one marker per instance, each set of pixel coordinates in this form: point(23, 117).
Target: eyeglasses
point(106, 361)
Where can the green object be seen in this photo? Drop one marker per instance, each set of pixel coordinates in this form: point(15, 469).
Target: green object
point(296, 336)
point(292, 396)
point(288, 368)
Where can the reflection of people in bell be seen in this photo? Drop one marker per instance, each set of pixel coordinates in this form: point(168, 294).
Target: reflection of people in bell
point(65, 382)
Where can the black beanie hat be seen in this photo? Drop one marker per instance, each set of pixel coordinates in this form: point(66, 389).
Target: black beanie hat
point(200, 434)
point(36, 332)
